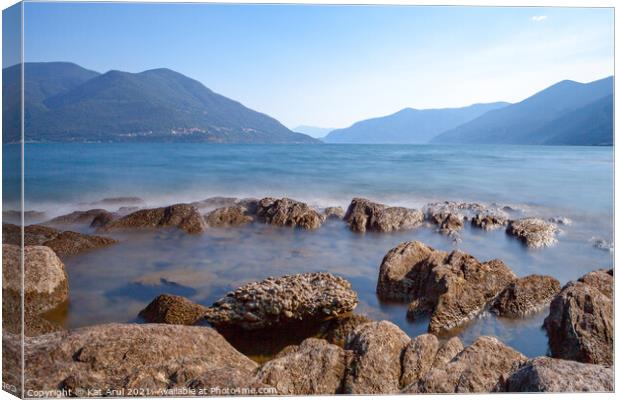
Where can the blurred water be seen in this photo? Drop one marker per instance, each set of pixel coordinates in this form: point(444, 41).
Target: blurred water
point(113, 284)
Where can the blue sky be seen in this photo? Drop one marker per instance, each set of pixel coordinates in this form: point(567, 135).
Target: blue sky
point(333, 65)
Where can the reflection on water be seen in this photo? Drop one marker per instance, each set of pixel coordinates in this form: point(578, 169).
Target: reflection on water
point(115, 283)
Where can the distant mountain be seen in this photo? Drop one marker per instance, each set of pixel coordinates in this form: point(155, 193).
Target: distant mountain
point(409, 125)
point(65, 102)
point(544, 118)
point(314, 131)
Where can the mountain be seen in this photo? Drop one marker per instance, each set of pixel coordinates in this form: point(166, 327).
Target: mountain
point(409, 125)
point(69, 104)
point(314, 131)
point(538, 118)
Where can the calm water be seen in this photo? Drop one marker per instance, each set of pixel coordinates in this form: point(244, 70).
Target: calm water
point(113, 284)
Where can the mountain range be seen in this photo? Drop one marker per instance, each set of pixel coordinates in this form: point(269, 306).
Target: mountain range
point(65, 102)
point(409, 125)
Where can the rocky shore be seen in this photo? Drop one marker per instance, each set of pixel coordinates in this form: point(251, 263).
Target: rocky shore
point(186, 348)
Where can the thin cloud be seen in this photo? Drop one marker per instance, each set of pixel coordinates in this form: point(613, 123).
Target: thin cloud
point(538, 18)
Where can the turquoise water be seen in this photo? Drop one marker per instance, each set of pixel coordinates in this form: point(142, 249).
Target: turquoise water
point(113, 284)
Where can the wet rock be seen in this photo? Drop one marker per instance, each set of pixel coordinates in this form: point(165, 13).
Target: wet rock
point(560, 220)
point(375, 366)
point(94, 218)
point(364, 215)
point(304, 297)
point(250, 204)
point(333, 212)
point(228, 216)
point(580, 323)
point(525, 295)
point(313, 367)
point(418, 358)
point(34, 324)
point(544, 374)
point(215, 202)
point(288, 212)
point(336, 330)
point(534, 232)
point(181, 216)
point(132, 356)
point(64, 244)
point(170, 309)
point(30, 216)
point(602, 244)
point(476, 369)
point(452, 288)
point(45, 279)
point(489, 221)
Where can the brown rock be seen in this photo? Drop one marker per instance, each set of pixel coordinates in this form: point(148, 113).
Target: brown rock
point(452, 288)
point(525, 295)
point(602, 280)
point(45, 280)
point(580, 324)
point(83, 218)
point(215, 202)
point(181, 216)
point(364, 215)
point(115, 201)
point(228, 216)
point(375, 367)
point(448, 351)
point(534, 232)
point(15, 216)
point(304, 297)
point(418, 358)
point(477, 369)
point(336, 330)
point(313, 367)
point(288, 212)
point(151, 357)
point(489, 221)
point(333, 212)
point(544, 374)
point(449, 222)
point(170, 309)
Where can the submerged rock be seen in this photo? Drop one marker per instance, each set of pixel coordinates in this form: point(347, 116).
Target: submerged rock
point(489, 221)
point(375, 366)
point(215, 202)
point(544, 374)
point(476, 369)
point(95, 218)
point(525, 295)
point(181, 216)
point(45, 279)
point(304, 297)
point(452, 288)
point(64, 244)
point(602, 244)
point(151, 357)
point(333, 212)
point(313, 367)
point(175, 310)
point(580, 325)
point(364, 215)
point(534, 232)
point(228, 216)
point(288, 212)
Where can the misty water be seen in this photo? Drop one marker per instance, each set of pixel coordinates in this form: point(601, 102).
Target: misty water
point(115, 283)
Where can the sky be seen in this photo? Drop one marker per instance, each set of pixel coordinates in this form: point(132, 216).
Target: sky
point(330, 66)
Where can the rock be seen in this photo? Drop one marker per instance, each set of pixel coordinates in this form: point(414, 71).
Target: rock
point(45, 279)
point(181, 216)
point(116, 201)
point(525, 295)
point(375, 366)
point(534, 232)
point(250, 204)
point(447, 218)
point(364, 215)
point(448, 351)
point(315, 296)
point(544, 374)
point(288, 212)
point(580, 324)
point(476, 369)
point(170, 309)
point(215, 202)
point(333, 212)
point(30, 216)
point(602, 244)
point(452, 288)
point(418, 358)
point(151, 357)
point(489, 221)
point(560, 220)
point(64, 244)
point(228, 216)
point(34, 324)
point(336, 330)
point(313, 367)
point(94, 218)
